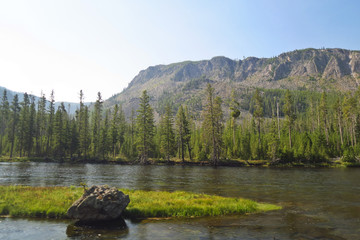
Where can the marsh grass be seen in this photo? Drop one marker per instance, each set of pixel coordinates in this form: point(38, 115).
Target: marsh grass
point(53, 202)
point(24, 201)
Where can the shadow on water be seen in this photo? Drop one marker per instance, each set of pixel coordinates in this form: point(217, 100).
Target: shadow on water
point(93, 230)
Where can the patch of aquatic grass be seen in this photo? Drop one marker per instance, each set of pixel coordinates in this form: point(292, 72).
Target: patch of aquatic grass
point(184, 204)
point(53, 202)
point(37, 201)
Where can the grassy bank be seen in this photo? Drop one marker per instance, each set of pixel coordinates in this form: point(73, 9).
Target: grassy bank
point(53, 202)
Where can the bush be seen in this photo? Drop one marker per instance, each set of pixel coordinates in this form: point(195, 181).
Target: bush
point(349, 155)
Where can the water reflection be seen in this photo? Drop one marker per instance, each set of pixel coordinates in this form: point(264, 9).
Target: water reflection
point(318, 203)
point(108, 230)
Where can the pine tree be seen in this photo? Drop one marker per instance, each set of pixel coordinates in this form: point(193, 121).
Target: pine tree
point(349, 109)
point(339, 116)
point(84, 131)
point(74, 138)
point(189, 122)
point(132, 132)
point(323, 115)
point(31, 128)
point(4, 119)
point(258, 114)
point(121, 127)
point(50, 126)
point(182, 131)
point(235, 114)
point(167, 134)
point(59, 133)
point(15, 115)
point(114, 129)
point(273, 142)
point(213, 124)
point(83, 127)
point(145, 127)
point(96, 125)
point(104, 137)
point(24, 124)
point(289, 113)
point(41, 122)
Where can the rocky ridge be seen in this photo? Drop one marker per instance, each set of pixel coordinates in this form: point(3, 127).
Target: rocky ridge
point(312, 69)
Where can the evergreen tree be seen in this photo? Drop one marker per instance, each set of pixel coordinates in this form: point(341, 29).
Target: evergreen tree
point(273, 142)
point(50, 126)
point(41, 122)
point(96, 125)
point(121, 127)
point(339, 116)
point(31, 128)
point(74, 138)
point(323, 115)
point(59, 132)
point(289, 113)
point(83, 127)
point(182, 131)
point(213, 124)
point(4, 119)
point(349, 109)
point(145, 127)
point(167, 134)
point(235, 114)
point(189, 123)
point(104, 137)
point(129, 136)
point(15, 115)
point(24, 125)
point(258, 115)
point(259, 110)
point(114, 129)
point(84, 131)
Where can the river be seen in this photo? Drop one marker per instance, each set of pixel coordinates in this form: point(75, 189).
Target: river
point(318, 203)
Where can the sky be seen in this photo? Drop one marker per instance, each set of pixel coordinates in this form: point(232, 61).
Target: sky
point(100, 46)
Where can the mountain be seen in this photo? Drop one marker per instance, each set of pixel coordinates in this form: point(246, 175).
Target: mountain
point(184, 82)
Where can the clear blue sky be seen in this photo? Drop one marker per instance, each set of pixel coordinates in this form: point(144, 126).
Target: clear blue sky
point(68, 45)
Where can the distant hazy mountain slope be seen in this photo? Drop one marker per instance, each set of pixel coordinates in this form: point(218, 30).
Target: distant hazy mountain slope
point(70, 107)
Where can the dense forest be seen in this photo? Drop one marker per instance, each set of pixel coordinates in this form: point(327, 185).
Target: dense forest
point(279, 126)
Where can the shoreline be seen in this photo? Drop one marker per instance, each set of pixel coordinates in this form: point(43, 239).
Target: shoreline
point(334, 163)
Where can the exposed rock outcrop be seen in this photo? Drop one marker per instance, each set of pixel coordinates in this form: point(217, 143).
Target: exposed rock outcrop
point(99, 203)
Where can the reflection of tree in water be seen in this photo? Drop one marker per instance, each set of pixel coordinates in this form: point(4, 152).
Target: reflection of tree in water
point(144, 177)
point(301, 226)
point(25, 173)
point(106, 229)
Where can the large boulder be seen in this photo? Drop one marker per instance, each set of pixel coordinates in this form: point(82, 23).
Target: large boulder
point(99, 203)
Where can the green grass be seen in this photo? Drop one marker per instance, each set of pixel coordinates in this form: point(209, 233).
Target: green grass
point(22, 201)
point(53, 202)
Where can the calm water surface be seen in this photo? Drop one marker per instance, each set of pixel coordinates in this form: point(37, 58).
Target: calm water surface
point(317, 203)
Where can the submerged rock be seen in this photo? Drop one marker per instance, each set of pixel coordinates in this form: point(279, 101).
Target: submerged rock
point(99, 203)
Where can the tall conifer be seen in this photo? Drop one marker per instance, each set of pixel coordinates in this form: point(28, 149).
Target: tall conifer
point(145, 127)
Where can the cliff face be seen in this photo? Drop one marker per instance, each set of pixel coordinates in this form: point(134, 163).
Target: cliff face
point(313, 69)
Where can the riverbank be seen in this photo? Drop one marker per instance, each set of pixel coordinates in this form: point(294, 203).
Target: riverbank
point(225, 162)
point(53, 202)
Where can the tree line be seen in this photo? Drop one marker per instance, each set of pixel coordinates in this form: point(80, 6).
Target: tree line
point(281, 128)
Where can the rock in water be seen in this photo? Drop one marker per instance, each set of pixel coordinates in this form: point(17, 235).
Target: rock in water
point(99, 203)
